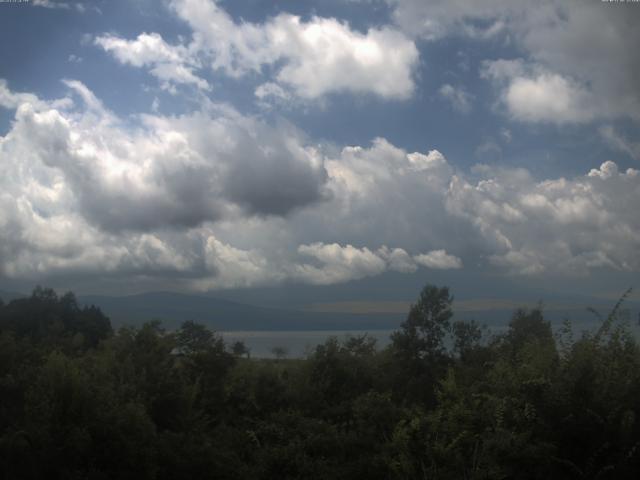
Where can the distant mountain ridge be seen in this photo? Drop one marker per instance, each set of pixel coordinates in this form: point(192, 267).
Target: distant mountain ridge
point(174, 308)
point(221, 314)
point(229, 315)
point(7, 296)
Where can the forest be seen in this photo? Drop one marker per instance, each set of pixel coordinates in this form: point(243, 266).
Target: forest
point(445, 400)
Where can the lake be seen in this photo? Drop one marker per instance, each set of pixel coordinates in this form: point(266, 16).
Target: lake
point(297, 343)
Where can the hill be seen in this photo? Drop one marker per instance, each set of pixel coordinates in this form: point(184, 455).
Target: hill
point(174, 308)
point(224, 315)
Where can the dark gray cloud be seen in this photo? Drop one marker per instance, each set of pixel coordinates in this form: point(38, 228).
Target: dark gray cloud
point(181, 200)
point(119, 181)
point(272, 174)
point(172, 172)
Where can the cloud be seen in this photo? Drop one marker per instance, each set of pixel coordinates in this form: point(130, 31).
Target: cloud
point(619, 142)
point(338, 264)
point(548, 98)
point(343, 263)
point(325, 56)
point(118, 181)
point(271, 90)
point(559, 225)
point(171, 172)
point(583, 43)
point(489, 148)
point(438, 259)
point(272, 175)
point(231, 267)
point(397, 259)
point(50, 4)
point(216, 199)
point(432, 162)
point(436, 19)
point(317, 264)
point(11, 100)
point(581, 47)
point(171, 64)
point(309, 59)
point(56, 4)
point(387, 193)
point(531, 94)
point(85, 194)
point(459, 99)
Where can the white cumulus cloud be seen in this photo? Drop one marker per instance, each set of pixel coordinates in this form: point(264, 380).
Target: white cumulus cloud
point(583, 48)
point(307, 58)
point(560, 225)
point(171, 64)
point(532, 94)
point(439, 259)
point(339, 263)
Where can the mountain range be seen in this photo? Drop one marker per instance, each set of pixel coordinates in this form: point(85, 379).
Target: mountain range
point(230, 315)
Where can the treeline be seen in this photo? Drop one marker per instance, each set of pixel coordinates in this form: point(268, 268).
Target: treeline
point(79, 401)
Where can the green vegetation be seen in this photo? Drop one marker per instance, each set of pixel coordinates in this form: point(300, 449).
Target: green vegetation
point(79, 401)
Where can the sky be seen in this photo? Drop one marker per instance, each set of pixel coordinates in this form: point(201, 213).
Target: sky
point(339, 150)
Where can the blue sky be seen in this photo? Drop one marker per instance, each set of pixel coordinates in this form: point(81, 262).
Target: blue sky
point(352, 149)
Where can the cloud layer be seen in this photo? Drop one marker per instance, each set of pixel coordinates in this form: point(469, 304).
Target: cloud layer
point(214, 199)
point(85, 192)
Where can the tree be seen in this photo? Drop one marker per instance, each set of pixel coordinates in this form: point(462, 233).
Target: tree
point(58, 322)
point(529, 326)
point(418, 349)
point(280, 352)
point(194, 338)
point(424, 330)
point(239, 349)
point(466, 337)
point(360, 345)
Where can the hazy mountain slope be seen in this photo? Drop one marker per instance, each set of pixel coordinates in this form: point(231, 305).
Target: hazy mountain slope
point(174, 308)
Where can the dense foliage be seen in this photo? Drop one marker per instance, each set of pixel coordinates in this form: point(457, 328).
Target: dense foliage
point(444, 400)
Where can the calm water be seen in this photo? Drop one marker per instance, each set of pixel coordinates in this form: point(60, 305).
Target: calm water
point(297, 343)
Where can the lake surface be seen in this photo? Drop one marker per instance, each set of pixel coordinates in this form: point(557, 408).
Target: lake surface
point(297, 343)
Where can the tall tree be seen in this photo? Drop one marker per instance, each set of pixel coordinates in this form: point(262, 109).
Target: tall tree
point(418, 348)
